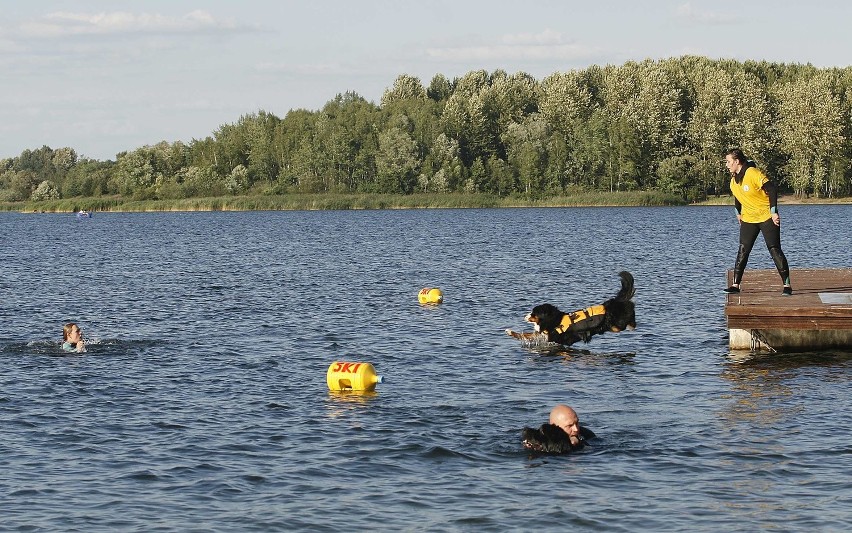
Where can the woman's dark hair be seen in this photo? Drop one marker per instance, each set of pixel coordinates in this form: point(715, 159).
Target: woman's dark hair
point(738, 155)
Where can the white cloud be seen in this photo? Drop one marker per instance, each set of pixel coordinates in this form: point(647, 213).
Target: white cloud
point(690, 14)
point(547, 45)
point(64, 24)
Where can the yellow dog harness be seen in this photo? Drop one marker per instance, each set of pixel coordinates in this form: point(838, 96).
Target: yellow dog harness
point(578, 316)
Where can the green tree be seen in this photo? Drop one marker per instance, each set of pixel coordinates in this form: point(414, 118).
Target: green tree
point(476, 177)
point(406, 87)
point(420, 118)
point(231, 146)
point(88, 177)
point(514, 98)
point(396, 162)
point(752, 124)
point(263, 165)
point(468, 117)
point(200, 181)
point(46, 190)
point(439, 89)
point(624, 155)
point(646, 98)
point(306, 168)
point(568, 105)
point(810, 127)
point(527, 150)
point(39, 163)
point(566, 99)
point(590, 165)
point(19, 184)
point(345, 143)
point(238, 180)
point(64, 159)
point(729, 108)
point(708, 129)
point(292, 132)
point(134, 170)
point(676, 174)
point(445, 154)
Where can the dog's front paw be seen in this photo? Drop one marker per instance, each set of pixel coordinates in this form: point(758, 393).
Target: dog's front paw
point(510, 333)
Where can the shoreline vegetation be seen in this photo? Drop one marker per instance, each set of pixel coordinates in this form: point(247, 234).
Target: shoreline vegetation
point(485, 139)
point(365, 201)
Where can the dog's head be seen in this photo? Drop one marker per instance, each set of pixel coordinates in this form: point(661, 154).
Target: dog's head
point(544, 317)
point(548, 439)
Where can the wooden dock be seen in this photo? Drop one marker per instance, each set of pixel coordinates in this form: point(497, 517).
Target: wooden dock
point(817, 316)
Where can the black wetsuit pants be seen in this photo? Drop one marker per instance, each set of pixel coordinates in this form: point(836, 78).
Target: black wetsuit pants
point(772, 237)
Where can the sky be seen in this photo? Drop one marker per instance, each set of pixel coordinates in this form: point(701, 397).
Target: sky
point(106, 76)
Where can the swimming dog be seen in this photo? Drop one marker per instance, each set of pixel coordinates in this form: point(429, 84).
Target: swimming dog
point(550, 438)
point(615, 314)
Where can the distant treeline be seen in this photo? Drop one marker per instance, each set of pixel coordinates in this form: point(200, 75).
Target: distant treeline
point(650, 126)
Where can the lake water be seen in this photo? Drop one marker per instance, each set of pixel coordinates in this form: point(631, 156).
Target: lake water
point(201, 404)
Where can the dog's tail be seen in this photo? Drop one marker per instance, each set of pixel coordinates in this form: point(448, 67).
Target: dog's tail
point(627, 290)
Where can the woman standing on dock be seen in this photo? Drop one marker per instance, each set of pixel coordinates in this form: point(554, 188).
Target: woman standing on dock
point(756, 200)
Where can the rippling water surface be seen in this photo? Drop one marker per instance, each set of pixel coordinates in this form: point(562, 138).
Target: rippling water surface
point(202, 404)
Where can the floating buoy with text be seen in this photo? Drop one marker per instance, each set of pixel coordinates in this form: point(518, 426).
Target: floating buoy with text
point(430, 295)
point(344, 375)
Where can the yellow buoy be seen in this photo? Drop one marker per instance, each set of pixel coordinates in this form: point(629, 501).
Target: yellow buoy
point(343, 375)
point(430, 295)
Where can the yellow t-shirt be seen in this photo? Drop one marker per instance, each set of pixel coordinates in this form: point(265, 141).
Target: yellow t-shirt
point(752, 197)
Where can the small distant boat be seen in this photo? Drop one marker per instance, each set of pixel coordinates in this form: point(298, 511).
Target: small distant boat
point(83, 214)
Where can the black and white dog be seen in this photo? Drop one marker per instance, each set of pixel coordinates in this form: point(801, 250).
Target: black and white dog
point(616, 314)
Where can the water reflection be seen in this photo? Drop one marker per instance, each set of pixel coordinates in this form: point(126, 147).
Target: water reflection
point(342, 402)
point(772, 412)
point(764, 386)
point(790, 360)
point(588, 357)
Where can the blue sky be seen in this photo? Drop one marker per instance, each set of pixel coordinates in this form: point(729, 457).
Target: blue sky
point(108, 76)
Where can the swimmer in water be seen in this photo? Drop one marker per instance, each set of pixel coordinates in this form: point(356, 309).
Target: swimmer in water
point(562, 434)
point(72, 338)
